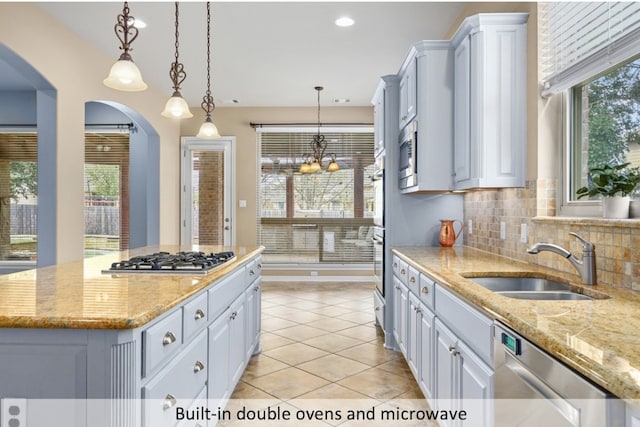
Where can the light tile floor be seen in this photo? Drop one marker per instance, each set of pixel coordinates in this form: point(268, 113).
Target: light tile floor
point(321, 350)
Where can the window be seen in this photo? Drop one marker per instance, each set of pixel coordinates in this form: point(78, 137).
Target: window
point(106, 183)
point(19, 196)
point(605, 123)
point(589, 53)
point(321, 217)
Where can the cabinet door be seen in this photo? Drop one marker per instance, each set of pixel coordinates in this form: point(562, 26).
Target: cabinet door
point(219, 376)
point(400, 302)
point(237, 331)
point(378, 122)
point(462, 137)
point(253, 295)
point(413, 333)
point(408, 94)
point(425, 357)
point(446, 375)
point(476, 385)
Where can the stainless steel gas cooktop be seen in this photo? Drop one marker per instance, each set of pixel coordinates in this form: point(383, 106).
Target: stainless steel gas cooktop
point(180, 262)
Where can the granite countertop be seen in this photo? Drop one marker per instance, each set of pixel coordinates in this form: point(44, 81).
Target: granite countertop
point(78, 295)
point(599, 338)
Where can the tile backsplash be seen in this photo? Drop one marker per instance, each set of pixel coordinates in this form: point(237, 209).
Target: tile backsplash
point(535, 206)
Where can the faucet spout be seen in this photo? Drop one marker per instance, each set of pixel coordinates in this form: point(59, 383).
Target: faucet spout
point(585, 267)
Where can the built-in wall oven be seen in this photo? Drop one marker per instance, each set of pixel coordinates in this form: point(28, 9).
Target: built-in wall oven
point(378, 221)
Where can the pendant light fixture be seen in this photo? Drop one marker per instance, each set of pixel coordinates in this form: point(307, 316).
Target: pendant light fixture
point(176, 106)
point(208, 130)
point(313, 162)
point(124, 74)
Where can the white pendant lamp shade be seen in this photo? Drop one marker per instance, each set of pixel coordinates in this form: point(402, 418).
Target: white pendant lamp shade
point(176, 108)
point(125, 75)
point(208, 130)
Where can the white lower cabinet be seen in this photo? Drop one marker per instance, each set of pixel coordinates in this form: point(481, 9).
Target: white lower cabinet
point(447, 344)
point(400, 305)
point(219, 337)
point(463, 380)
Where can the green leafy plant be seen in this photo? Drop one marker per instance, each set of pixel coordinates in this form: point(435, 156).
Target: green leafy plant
point(611, 181)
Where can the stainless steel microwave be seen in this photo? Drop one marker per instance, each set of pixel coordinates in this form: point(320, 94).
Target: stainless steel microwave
point(408, 165)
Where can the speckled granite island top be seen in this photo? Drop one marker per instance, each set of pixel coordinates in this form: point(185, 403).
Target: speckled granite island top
point(599, 338)
point(78, 295)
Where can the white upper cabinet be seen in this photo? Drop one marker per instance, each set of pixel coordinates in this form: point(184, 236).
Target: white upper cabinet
point(408, 93)
point(490, 119)
point(426, 97)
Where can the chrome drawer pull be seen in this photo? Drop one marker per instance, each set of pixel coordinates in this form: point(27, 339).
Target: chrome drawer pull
point(169, 338)
point(412, 279)
point(453, 351)
point(169, 401)
point(199, 366)
point(377, 308)
point(252, 273)
point(425, 290)
point(199, 314)
point(259, 266)
point(256, 289)
point(402, 272)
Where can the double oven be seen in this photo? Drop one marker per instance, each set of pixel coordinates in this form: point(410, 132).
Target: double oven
point(378, 222)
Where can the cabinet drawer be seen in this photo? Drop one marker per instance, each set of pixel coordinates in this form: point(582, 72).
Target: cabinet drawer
point(253, 270)
point(378, 308)
point(396, 266)
point(222, 293)
point(161, 340)
point(426, 291)
point(403, 272)
point(469, 324)
point(194, 316)
point(177, 385)
point(413, 280)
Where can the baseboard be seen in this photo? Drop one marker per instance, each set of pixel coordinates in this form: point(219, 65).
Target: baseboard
point(363, 279)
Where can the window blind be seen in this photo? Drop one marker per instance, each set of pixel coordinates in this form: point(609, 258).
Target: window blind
point(321, 217)
point(580, 40)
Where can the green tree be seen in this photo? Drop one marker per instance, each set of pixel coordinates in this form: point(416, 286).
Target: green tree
point(102, 180)
point(24, 179)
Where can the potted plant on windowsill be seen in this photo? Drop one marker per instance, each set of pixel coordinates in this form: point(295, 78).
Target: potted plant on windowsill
point(614, 184)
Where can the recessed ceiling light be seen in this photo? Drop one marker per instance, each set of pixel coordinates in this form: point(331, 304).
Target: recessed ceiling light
point(341, 101)
point(344, 21)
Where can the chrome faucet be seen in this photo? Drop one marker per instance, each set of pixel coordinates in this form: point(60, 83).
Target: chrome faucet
point(586, 267)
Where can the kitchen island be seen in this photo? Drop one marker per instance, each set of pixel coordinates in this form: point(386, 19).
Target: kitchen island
point(598, 338)
point(142, 344)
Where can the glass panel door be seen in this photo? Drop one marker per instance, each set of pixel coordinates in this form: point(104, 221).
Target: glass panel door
point(207, 217)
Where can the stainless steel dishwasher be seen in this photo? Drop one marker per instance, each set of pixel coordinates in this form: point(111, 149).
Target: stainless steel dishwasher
point(533, 389)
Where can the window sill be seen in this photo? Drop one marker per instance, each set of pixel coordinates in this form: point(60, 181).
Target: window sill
point(594, 221)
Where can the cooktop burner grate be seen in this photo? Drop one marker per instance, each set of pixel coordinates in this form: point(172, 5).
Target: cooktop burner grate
point(180, 262)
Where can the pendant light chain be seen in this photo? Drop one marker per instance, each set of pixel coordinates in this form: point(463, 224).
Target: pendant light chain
point(177, 74)
point(207, 101)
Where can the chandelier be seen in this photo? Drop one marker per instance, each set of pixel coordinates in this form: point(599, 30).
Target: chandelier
point(313, 162)
point(124, 74)
point(208, 129)
point(176, 106)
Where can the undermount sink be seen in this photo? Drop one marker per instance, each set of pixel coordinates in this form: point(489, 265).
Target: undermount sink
point(533, 288)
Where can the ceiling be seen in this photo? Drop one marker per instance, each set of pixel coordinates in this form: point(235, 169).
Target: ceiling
point(266, 53)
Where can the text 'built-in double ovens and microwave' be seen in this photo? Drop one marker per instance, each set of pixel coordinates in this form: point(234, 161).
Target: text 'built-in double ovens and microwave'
point(408, 155)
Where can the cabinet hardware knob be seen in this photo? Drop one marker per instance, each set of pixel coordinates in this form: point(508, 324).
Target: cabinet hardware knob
point(256, 289)
point(260, 266)
point(402, 272)
point(233, 315)
point(169, 338)
point(418, 311)
point(199, 314)
point(252, 273)
point(199, 366)
point(425, 290)
point(377, 308)
point(395, 264)
point(169, 401)
point(453, 350)
point(412, 279)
